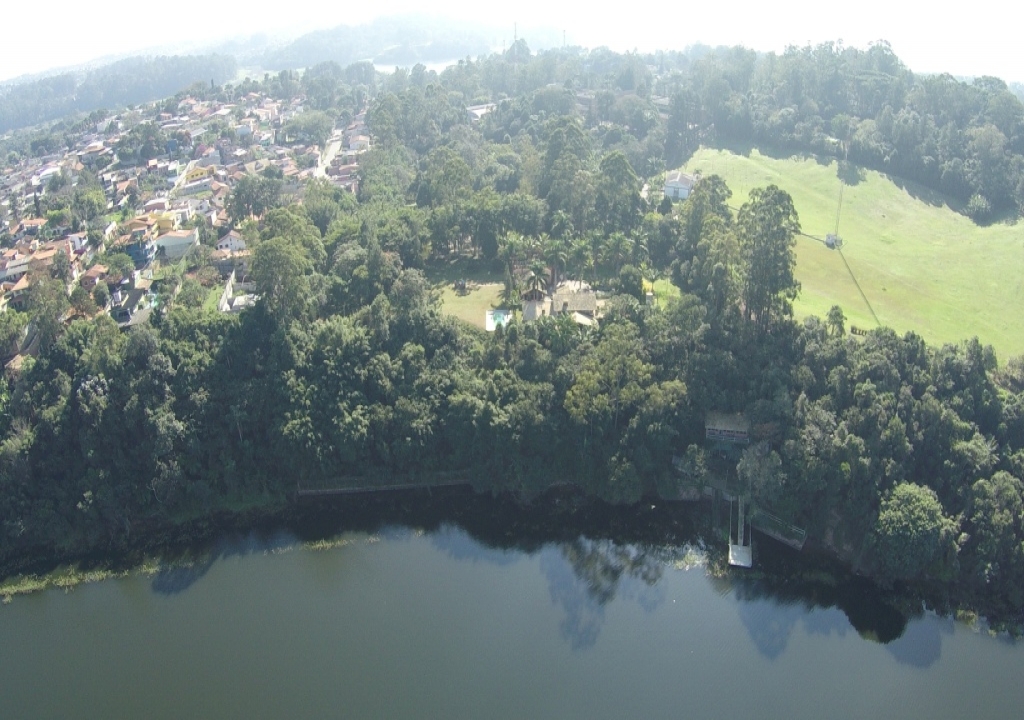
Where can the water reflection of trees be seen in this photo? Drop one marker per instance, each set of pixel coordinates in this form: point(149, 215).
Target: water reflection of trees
point(592, 553)
point(787, 590)
point(586, 574)
point(181, 569)
point(601, 552)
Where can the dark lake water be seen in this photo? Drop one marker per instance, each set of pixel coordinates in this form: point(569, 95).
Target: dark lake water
point(402, 623)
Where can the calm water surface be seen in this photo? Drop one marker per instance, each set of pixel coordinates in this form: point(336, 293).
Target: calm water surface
point(435, 625)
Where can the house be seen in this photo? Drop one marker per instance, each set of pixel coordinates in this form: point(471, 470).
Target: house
point(14, 292)
point(478, 111)
point(232, 242)
point(358, 143)
point(78, 241)
point(678, 184)
point(177, 243)
point(157, 204)
point(142, 223)
point(14, 264)
point(580, 304)
point(124, 188)
point(199, 172)
point(133, 309)
point(535, 304)
point(182, 212)
point(93, 276)
point(139, 245)
point(32, 226)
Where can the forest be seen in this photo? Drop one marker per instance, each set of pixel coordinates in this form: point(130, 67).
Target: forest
point(902, 458)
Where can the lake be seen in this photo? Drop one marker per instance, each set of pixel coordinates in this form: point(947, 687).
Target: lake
point(401, 623)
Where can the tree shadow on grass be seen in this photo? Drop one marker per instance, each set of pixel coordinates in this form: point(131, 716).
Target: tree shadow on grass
point(925, 194)
point(445, 273)
point(850, 174)
point(746, 148)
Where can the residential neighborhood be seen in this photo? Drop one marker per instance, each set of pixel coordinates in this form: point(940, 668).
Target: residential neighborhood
point(152, 183)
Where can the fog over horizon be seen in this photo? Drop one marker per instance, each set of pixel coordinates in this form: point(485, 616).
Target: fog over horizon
point(959, 44)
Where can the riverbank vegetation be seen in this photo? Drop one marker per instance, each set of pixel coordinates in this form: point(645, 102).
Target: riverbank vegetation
point(903, 458)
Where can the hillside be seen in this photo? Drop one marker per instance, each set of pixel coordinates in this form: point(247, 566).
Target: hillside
point(922, 266)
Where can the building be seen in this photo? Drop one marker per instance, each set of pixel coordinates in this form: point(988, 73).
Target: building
point(232, 242)
point(139, 246)
point(177, 243)
point(679, 185)
point(725, 428)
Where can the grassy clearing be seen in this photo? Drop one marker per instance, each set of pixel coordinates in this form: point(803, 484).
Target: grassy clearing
point(472, 306)
point(922, 266)
point(663, 289)
point(484, 293)
point(213, 298)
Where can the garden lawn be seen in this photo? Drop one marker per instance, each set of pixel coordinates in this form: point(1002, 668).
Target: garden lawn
point(484, 293)
point(213, 298)
point(921, 266)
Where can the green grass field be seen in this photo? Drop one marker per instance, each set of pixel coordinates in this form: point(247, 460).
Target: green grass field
point(922, 266)
point(484, 293)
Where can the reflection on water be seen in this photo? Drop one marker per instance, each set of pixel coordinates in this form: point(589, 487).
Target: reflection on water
point(182, 570)
point(586, 566)
point(770, 624)
point(592, 554)
point(456, 543)
point(521, 614)
point(920, 645)
point(585, 575)
point(584, 613)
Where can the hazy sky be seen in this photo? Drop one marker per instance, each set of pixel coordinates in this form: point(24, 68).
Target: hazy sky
point(977, 38)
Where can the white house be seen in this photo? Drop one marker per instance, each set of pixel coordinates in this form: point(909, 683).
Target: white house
point(78, 240)
point(678, 184)
point(358, 143)
point(177, 243)
point(231, 242)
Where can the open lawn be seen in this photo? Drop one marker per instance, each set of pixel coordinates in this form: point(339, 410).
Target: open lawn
point(483, 290)
point(213, 298)
point(921, 266)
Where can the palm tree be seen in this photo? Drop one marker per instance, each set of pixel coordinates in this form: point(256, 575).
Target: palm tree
point(511, 248)
point(617, 251)
point(561, 225)
point(639, 254)
point(581, 257)
point(538, 277)
point(556, 253)
point(510, 292)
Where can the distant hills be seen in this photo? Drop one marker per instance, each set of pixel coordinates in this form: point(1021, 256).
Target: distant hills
point(125, 82)
point(402, 41)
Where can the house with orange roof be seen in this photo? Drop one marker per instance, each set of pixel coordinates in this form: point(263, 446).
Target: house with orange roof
point(92, 277)
point(15, 291)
